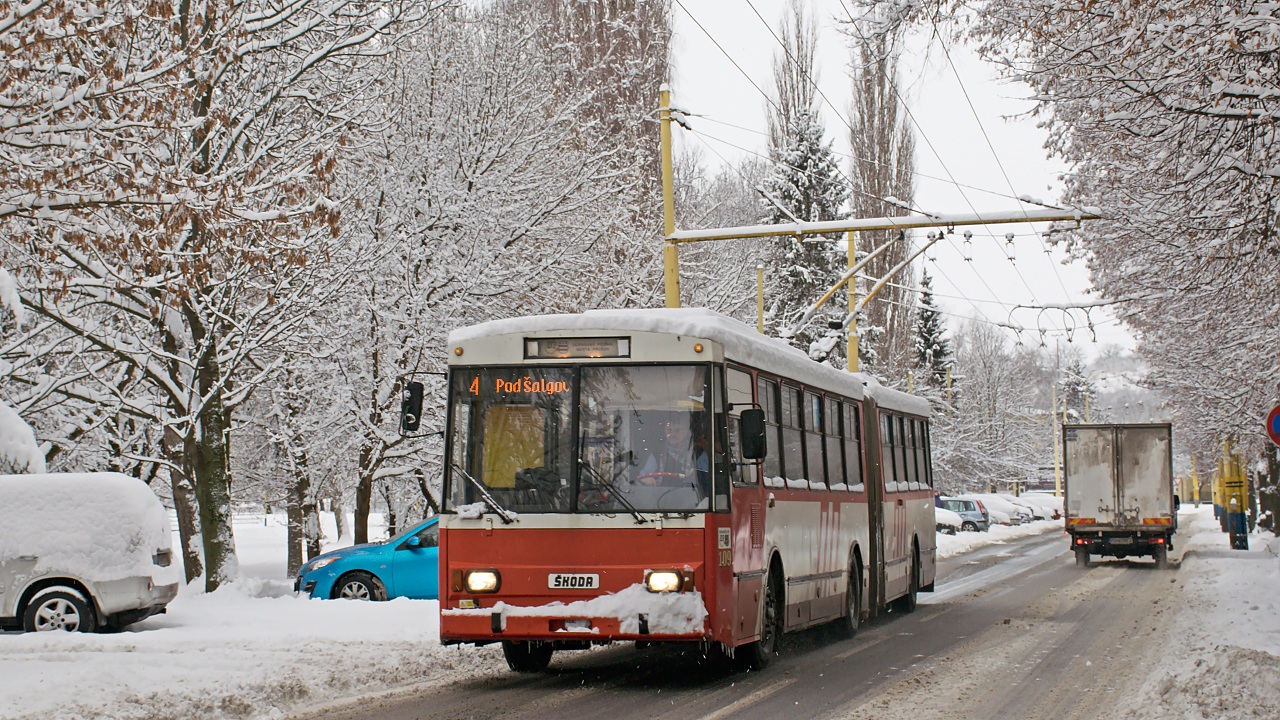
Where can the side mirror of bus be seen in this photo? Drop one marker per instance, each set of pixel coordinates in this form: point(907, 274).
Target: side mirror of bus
point(411, 408)
point(755, 445)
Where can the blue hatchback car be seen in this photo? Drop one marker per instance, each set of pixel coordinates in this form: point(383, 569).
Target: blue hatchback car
point(404, 566)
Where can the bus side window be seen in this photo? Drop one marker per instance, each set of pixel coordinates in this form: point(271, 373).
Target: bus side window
point(853, 447)
point(834, 431)
point(887, 476)
point(814, 427)
point(906, 463)
point(926, 459)
point(740, 397)
point(792, 433)
point(768, 400)
point(909, 452)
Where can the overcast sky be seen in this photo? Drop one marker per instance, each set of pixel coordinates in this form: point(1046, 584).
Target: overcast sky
point(725, 83)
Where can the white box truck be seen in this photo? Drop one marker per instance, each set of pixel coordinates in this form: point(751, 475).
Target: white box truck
point(1119, 490)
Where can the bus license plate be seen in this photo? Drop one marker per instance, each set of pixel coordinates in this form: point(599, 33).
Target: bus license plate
point(565, 581)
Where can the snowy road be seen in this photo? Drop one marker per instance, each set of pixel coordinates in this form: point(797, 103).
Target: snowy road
point(1029, 636)
point(1014, 630)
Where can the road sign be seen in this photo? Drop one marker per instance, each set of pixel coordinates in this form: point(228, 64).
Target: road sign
point(1273, 424)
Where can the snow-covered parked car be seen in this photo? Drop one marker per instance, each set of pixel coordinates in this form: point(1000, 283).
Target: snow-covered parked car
point(1051, 504)
point(947, 522)
point(84, 552)
point(998, 506)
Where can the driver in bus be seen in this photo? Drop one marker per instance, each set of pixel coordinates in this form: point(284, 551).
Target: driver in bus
point(682, 461)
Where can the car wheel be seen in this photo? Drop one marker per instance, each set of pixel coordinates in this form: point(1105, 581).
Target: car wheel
point(756, 655)
point(359, 586)
point(527, 657)
point(59, 608)
point(968, 526)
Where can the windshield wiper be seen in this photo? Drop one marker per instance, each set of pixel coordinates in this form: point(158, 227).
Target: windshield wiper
point(600, 481)
point(488, 499)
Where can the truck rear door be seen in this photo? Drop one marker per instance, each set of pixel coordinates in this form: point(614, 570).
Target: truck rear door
point(1090, 473)
point(1145, 489)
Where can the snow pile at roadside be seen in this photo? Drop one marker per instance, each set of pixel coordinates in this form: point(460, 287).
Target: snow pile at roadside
point(1224, 659)
point(249, 650)
point(963, 542)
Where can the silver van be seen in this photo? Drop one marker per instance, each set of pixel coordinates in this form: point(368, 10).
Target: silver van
point(82, 552)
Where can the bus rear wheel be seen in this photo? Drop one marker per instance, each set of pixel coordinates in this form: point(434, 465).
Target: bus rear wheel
point(907, 603)
point(847, 626)
point(527, 657)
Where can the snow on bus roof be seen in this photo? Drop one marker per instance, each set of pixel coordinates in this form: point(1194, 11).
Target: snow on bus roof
point(741, 343)
point(887, 397)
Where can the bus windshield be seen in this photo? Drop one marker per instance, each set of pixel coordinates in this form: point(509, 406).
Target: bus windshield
point(638, 441)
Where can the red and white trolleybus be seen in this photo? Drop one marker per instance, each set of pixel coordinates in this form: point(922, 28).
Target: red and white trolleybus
point(671, 475)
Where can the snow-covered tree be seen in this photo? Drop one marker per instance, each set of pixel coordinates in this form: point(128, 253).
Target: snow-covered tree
point(721, 275)
point(882, 176)
point(994, 432)
point(19, 451)
point(933, 349)
point(804, 184)
point(1166, 113)
point(1077, 392)
point(173, 215)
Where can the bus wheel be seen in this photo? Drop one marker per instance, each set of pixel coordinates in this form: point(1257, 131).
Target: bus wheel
point(847, 626)
point(1082, 557)
point(756, 655)
point(527, 657)
point(907, 603)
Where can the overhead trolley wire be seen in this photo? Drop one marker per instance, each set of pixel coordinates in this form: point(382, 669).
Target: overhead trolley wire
point(945, 168)
point(950, 177)
point(825, 99)
point(969, 101)
point(844, 120)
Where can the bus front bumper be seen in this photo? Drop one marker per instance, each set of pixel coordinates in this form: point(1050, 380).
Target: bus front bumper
point(632, 614)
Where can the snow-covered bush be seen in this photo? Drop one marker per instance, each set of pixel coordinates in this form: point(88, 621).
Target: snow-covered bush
point(19, 452)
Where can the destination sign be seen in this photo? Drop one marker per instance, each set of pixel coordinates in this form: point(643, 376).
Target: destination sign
point(527, 385)
point(577, 347)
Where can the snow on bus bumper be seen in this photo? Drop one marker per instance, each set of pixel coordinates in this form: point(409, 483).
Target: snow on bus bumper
point(634, 613)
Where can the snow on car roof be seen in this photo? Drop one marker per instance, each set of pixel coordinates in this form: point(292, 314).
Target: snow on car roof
point(741, 342)
point(98, 526)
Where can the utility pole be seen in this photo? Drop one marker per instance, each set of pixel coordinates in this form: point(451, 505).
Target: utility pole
point(1057, 457)
point(851, 352)
point(671, 252)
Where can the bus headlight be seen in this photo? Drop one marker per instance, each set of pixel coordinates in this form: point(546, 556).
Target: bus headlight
point(482, 581)
point(660, 581)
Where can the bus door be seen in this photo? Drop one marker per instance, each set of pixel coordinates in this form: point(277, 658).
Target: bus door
point(874, 479)
point(747, 511)
point(894, 531)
